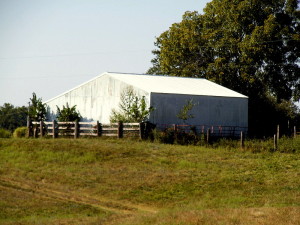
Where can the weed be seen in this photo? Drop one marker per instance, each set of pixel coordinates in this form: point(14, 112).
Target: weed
point(4, 133)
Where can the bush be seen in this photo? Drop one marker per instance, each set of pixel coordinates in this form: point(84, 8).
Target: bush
point(4, 133)
point(20, 132)
point(68, 113)
point(190, 137)
point(166, 136)
point(169, 136)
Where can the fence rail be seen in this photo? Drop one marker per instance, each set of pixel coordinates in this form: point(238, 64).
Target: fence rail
point(142, 130)
point(77, 129)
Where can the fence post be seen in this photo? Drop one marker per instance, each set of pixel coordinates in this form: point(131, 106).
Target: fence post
point(120, 129)
point(76, 129)
point(99, 129)
point(275, 142)
point(142, 130)
point(54, 132)
point(278, 132)
point(41, 129)
point(208, 136)
point(242, 140)
point(148, 128)
point(175, 127)
point(175, 131)
point(29, 127)
point(295, 132)
point(35, 132)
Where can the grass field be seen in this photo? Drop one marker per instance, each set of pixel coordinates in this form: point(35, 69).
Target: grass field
point(110, 181)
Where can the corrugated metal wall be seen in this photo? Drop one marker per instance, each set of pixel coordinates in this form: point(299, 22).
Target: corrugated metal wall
point(225, 111)
point(94, 100)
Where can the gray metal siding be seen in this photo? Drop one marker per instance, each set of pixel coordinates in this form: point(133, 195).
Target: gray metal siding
point(225, 111)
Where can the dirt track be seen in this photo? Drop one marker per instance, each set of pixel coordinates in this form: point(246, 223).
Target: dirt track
point(42, 190)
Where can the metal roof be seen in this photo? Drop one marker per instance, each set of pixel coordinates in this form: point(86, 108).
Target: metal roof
point(168, 85)
point(175, 85)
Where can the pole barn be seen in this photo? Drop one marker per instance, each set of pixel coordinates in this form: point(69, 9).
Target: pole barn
point(215, 105)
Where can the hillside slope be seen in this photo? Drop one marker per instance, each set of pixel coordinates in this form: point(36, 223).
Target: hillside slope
point(109, 181)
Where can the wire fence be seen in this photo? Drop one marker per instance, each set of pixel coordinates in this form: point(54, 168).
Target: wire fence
point(215, 131)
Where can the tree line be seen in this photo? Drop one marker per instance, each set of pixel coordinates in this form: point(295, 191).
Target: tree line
point(12, 117)
point(250, 46)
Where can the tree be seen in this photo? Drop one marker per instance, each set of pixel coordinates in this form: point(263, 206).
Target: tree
point(249, 46)
point(184, 111)
point(180, 49)
point(37, 109)
point(132, 108)
point(12, 117)
point(67, 114)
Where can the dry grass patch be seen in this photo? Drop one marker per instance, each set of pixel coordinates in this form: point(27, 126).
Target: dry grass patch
point(240, 216)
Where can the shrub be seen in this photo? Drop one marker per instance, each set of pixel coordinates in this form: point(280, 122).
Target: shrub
point(166, 136)
point(20, 132)
point(4, 133)
point(68, 113)
point(169, 136)
point(186, 138)
point(133, 109)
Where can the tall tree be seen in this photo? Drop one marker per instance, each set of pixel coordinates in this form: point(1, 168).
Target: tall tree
point(181, 49)
point(12, 117)
point(37, 109)
point(250, 46)
point(255, 44)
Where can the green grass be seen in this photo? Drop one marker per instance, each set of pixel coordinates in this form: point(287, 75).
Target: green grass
point(5, 133)
point(27, 208)
point(170, 179)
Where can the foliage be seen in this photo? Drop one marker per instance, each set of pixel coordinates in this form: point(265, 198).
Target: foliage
point(67, 114)
point(166, 136)
point(249, 46)
point(265, 113)
point(184, 111)
point(180, 136)
point(37, 109)
point(5, 133)
point(20, 132)
point(12, 117)
point(132, 108)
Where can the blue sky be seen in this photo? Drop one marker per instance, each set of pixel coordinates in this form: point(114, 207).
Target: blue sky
point(50, 46)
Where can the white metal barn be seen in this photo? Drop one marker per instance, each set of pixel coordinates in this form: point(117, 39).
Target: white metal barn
point(215, 104)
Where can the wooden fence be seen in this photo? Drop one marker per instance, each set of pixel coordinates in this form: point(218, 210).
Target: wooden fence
point(141, 130)
point(80, 129)
point(96, 129)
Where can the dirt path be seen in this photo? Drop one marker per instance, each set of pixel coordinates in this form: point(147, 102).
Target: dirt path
point(45, 191)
